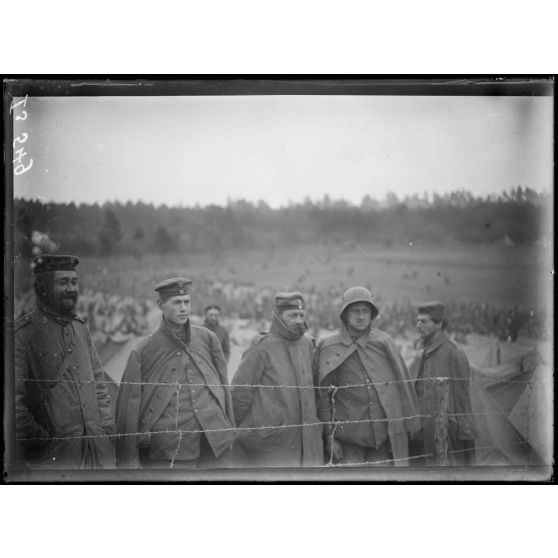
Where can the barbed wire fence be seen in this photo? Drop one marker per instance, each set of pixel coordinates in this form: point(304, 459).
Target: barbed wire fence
point(441, 417)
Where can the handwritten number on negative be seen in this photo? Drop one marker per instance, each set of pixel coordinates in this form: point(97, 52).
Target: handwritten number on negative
point(22, 138)
point(24, 102)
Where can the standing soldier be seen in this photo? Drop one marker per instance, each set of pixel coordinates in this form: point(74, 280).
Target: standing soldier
point(174, 393)
point(443, 358)
point(212, 315)
point(370, 395)
point(273, 394)
point(64, 417)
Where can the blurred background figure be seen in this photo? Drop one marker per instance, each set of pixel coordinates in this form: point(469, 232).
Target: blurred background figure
point(212, 315)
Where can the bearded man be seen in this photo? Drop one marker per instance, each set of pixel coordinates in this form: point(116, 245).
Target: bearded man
point(64, 417)
point(212, 315)
point(273, 394)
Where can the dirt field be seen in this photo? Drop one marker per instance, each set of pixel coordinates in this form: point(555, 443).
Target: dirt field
point(500, 275)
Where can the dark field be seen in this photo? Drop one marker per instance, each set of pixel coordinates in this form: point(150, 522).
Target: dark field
point(500, 275)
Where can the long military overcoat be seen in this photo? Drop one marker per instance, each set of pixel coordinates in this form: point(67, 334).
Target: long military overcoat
point(273, 393)
point(149, 384)
point(63, 410)
point(443, 358)
point(392, 381)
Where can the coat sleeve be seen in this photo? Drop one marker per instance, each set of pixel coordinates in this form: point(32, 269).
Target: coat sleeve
point(250, 371)
point(104, 404)
point(324, 407)
point(27, 397)
point(461, 371)
point(220, 364)
point(127, 413)
point(226, 345)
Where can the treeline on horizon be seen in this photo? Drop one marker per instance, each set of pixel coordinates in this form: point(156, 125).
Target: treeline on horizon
point(517, 216)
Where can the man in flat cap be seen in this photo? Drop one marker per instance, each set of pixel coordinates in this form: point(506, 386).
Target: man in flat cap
point(273, 394)
point(212, 315)
point(366, 400)
point(441, 357)
point(64, 417)
point(174, 407)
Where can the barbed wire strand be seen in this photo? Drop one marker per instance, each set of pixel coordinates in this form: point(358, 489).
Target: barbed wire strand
point(277, 386)
point(252, 428)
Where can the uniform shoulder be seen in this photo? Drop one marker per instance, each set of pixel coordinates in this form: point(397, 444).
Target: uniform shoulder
point(23, 321)
point(261, 336)
point(330, 340)
point(201, 329)
point(144, 342)
point(201, 332)
point(382, 336)
point(455, 348)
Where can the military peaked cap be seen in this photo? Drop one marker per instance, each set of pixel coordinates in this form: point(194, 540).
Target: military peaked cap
point(289, 301)
point(435, 309)
point(176, 286)
point(54, 262)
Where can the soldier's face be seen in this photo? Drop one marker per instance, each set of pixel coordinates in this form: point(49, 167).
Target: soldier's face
point(359, 316)
point(212, 316)
point(426, 327)
point(176, 309)
point(65, 290)
point(293, 318)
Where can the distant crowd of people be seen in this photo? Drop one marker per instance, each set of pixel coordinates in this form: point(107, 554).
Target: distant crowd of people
point(110, 314)
point(397, 318)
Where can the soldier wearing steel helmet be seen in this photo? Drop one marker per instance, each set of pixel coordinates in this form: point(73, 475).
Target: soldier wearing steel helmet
point(366, 401)
point(174, 407)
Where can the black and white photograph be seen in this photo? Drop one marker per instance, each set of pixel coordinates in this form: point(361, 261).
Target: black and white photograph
point(279, 279)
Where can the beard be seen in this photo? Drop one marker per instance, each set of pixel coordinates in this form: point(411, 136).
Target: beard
point(61, 303)
point(67, 304)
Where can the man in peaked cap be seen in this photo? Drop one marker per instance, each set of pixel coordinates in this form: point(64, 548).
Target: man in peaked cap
point(273, 394)
point(174, 408)
point(366, 400)
point(441, 357)
point(64, 417)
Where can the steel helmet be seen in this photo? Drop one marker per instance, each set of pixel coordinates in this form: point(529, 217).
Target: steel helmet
point(358, 294)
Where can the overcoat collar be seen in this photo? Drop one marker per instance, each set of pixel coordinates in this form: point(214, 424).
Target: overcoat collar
point(165, 328)
point(56, 316)
point(347, 340)
point(435, 342)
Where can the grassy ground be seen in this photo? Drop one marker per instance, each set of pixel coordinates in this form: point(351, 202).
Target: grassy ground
point(500, 275)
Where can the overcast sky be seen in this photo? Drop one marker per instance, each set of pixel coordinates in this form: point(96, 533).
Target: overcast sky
point(189, 150)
